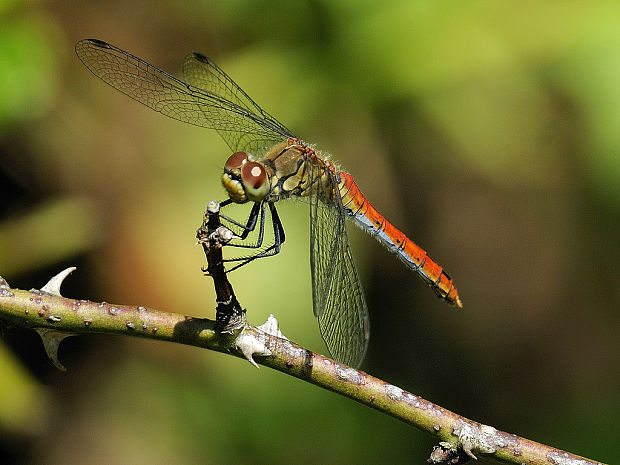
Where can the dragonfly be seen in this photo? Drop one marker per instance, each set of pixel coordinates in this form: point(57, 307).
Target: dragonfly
point(269, 163)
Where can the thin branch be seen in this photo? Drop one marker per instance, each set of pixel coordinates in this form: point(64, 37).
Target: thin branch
point(460, 436)
point(40, 309)
point(56, 317)
point(213, 237)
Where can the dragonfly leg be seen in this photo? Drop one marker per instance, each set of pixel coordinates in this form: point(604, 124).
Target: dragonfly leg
point(256, 212)
point(257, 215)
point(274, 249)
point(278, 230)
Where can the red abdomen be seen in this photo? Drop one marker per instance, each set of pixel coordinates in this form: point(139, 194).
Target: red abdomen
point(367, 217)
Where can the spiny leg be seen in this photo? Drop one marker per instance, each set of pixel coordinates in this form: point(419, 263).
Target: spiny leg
point(274, 249)
point(256, 212)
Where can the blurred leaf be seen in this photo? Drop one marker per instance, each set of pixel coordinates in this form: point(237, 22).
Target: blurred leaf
point(22, 399)
point(54, 232)
point(591, 76)
point(29, 64)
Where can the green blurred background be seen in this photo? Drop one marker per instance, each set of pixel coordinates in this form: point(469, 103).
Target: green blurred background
point(488, 131)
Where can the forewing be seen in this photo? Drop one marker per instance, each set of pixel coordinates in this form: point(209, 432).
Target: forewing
point(200, 71)
point(338, 296)
point(241, 127)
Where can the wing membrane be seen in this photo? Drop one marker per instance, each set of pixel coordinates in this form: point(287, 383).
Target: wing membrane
point(338, 296)
point(219, 105)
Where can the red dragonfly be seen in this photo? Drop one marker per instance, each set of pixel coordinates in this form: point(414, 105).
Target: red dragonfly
point(269, 163)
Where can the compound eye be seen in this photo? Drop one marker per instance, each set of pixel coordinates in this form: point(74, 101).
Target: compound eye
point(235, 161)
point(253, 175)
point(255, 181)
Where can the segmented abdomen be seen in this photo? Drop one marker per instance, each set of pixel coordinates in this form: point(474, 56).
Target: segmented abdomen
point(367, 217)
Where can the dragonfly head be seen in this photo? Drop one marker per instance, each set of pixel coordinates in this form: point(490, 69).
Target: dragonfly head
point(245, 180)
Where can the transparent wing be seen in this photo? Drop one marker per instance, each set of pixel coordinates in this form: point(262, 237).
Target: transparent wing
point(200, 71)
point(214, 101)
point(338, 296)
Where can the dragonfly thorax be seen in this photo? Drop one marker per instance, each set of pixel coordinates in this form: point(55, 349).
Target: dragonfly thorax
point(245, 180)
point(295, 170)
